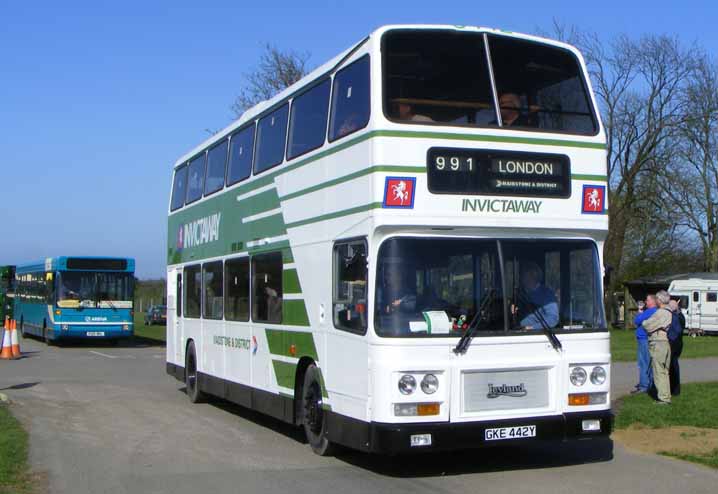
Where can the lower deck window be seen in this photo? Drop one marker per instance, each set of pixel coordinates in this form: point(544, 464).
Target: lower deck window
point(267, 287)
point(213, 300)
point(193, 291)
point(236, 279)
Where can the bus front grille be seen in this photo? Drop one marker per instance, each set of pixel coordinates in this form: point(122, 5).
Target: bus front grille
point(505, 390)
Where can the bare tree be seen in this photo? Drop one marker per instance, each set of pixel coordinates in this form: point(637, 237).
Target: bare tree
point(690, 182)
point(276, 71)
point(639, 86)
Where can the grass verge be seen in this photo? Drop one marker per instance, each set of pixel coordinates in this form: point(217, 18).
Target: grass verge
point(710, 459)
point(623, 346)
point(14, 474)
point(156, 333)
point(687, 429)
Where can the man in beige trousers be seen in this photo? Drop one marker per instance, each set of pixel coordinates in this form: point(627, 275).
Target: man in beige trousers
point(657, 328)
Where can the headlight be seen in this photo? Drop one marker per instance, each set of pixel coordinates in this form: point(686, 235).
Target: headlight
point(598, 375)
point(429, 384)
point(578, 376)
point(407, 384)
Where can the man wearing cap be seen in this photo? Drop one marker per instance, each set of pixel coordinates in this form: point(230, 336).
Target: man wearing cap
point(657, 327)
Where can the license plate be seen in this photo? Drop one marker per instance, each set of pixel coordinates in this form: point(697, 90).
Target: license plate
point(95, 333)
point(518, 432)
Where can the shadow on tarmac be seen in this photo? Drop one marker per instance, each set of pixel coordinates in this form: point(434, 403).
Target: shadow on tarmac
point(21, 386)
point(541, 454)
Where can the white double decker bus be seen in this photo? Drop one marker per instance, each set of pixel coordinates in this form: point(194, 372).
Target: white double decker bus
point(402, 251)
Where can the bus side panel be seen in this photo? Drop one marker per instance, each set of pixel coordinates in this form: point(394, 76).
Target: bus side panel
point(343, 356)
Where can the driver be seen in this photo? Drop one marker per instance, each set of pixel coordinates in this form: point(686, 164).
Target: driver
point(535, 300)
point(395, 294)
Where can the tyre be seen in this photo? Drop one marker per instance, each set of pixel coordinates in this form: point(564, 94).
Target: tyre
point(314, 419)
point(190, 373)
point(45, 338)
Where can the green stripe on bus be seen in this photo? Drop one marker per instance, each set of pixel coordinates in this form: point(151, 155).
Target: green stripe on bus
point(268, 179)
point(268, 247)
point(294, 313)
point(290, 281)
point(487, 138)
point(598, 178)
point(285, 373)
point(259, 203)
point(280, 342)
point(287, 256)
point(336, 214)
point(267, 227)
point(355, 175)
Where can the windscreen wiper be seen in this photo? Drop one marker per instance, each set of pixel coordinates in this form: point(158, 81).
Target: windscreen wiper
point(535, 311)
point(474, 325)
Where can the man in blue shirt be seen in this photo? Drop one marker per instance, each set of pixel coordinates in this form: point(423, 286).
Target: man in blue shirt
point(643, 357)
point(541, 300)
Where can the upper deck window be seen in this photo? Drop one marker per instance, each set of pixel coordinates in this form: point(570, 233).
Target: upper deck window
point(179, 188)
point(240, 155)
point(216, 163)
point(195, 181)
point(308, 123)
point(437, 77)
point(540, 86)
point(271, 137)
point(350, 99)
point(444, 77)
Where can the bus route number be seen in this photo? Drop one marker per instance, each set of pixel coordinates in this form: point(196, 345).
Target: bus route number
point(454, 163)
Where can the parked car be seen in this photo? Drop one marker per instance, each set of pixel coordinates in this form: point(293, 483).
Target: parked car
point(156, 314)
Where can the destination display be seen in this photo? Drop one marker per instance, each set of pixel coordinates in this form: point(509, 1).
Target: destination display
point(491, 172)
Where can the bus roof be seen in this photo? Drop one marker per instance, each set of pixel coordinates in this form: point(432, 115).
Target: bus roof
point(79, 263)
point(337, 61)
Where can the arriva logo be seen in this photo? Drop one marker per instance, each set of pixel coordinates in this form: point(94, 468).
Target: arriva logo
point(199, 232)
point(95, 319)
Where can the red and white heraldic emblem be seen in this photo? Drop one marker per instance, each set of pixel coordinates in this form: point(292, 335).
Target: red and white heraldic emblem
point(594, 198)
point(399, 192)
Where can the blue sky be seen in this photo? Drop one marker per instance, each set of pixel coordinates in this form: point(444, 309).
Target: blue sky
point(98, 99)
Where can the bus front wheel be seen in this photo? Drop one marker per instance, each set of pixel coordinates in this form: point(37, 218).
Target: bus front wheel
point(314, 418)
point(193, 392)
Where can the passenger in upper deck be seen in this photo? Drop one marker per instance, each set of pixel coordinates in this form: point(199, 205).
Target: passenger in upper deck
point(535, 300)
point(511, 116)
point(404, 111)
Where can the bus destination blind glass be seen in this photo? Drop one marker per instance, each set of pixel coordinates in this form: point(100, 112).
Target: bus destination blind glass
point(490, 172)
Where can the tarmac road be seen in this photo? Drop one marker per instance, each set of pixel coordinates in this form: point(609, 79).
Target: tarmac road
point(109, 420)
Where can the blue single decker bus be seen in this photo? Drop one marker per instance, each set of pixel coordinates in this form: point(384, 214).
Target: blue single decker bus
point(75, 297)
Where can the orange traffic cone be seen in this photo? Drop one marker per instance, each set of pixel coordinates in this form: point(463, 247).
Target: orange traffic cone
point(14, 340)
point(6, 344)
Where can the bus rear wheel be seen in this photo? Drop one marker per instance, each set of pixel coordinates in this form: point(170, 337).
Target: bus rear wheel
point(314, 420)
point(193, 392)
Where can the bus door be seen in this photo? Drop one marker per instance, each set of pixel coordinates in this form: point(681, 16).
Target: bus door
point(174, 316)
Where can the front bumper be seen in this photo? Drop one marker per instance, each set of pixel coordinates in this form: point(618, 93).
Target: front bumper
point(395, 438)
point(70, 331)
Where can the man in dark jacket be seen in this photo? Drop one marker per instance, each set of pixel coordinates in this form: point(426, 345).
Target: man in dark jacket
point(675, 339)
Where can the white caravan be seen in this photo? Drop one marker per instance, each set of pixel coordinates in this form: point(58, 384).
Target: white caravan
point(402, 251)
point(699, 300)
